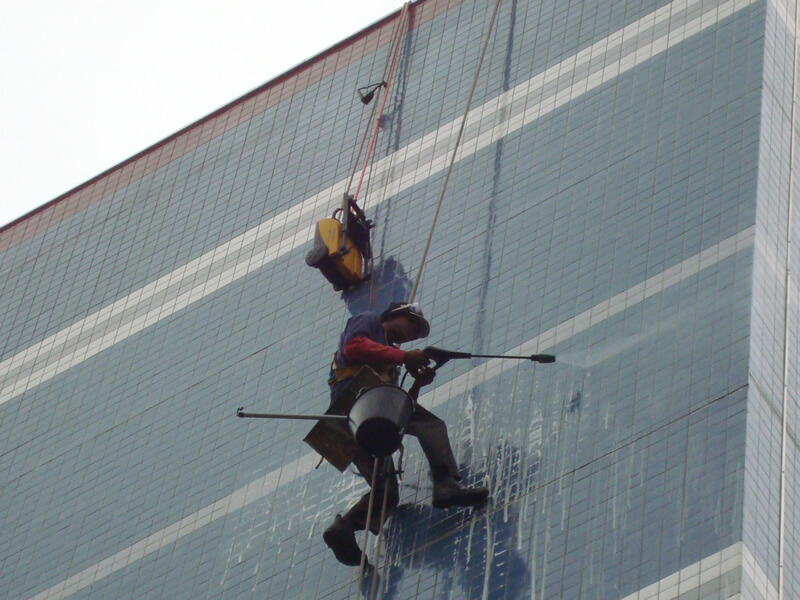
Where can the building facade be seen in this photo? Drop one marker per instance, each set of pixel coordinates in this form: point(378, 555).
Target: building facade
point(622, 197)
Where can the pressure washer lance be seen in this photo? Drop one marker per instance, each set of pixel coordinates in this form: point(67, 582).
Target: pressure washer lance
point(441, 356)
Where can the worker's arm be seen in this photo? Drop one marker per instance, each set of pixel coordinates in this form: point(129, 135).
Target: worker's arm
point(422, 377)
point(364, 350)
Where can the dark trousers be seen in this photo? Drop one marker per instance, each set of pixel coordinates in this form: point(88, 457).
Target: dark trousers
point(431, 432)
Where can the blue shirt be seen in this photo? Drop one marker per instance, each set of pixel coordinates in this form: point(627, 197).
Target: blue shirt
point(366, 324)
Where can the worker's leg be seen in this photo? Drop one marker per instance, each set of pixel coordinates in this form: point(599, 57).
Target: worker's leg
point(340, 535)
point(431, 432)
point(357, 515)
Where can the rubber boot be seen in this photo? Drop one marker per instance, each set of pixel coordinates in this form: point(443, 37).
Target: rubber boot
point(447, 492)
point(341, 538)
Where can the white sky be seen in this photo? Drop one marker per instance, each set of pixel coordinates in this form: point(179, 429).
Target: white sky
point(85, 84)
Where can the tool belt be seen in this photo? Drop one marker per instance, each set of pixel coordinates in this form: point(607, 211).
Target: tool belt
point(332, 439)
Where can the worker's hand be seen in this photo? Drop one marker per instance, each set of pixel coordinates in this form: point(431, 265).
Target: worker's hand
point(423, 375)
point(415, 360)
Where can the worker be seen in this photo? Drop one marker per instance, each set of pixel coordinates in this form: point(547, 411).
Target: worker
point(372, 339)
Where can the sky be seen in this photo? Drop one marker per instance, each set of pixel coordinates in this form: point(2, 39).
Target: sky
point(85, 84)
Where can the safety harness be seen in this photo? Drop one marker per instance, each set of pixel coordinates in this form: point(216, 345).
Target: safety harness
point(388, 374)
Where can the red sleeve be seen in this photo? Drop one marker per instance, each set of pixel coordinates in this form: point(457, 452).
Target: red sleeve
point(362, 349)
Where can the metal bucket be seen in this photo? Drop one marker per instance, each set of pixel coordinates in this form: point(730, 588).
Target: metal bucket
point(379, 417)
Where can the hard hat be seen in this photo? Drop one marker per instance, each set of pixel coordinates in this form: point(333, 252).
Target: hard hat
point(397, 309)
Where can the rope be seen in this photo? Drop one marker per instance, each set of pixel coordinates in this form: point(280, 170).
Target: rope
point(373, 588)
point(366, 529)
point(786, 341)
point(384, 503)
point(455, 151)
point(384, 465)
point(395, 32)
point(402, 18)
point(360, 149)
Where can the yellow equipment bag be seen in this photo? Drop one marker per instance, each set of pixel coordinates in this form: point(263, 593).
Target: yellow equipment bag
point(343, 253)
point(341, 264)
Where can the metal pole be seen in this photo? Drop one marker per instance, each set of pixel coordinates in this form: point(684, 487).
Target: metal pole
point(545, 358)
point(240, 413)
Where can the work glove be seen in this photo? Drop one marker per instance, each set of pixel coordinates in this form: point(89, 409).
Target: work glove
point(423, 375)
point(415, 359)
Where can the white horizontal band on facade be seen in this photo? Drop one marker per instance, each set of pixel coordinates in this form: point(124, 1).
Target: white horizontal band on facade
point(523, 104)
point(264, 486)
point(719, 575)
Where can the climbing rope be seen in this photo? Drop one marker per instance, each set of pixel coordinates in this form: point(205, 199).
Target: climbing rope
point(398, 37)
point(384, 82)
point(370, 505)
point(383, 464)
point(373, 587)
point(361, 147)
point(350, 214)
point(455, 151)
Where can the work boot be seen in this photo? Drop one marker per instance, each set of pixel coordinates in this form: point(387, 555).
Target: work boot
point(341, 538)
point(448, 492)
